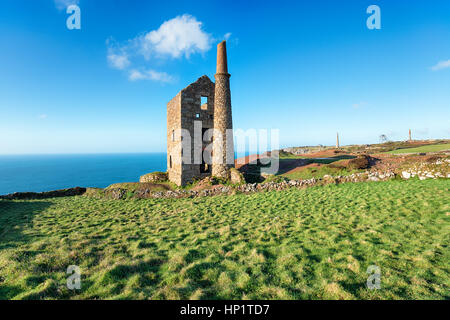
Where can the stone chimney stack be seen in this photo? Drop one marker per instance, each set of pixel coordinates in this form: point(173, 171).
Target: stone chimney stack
point(222, 65)
point(410, 135)
point(223, 148)
point(337, 140)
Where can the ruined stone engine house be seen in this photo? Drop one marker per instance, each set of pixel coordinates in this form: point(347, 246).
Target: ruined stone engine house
point(201, 106)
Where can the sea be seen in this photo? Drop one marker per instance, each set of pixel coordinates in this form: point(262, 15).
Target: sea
point(37, 173)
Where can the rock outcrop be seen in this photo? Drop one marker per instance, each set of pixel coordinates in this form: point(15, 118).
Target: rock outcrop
point(436, 169)
point(77, 191)
point(236, 177)
point(154, 177)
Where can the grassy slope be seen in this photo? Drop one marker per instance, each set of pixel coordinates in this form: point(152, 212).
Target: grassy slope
point(318, 172)
point(429, 148)
point(296, 244)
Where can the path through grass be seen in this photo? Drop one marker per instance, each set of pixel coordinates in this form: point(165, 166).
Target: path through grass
point(314, 243)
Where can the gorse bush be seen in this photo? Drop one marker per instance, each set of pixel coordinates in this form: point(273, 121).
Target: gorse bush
point(359, 163)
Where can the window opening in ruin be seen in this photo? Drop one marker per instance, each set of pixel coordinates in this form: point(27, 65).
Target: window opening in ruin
point(204, 103)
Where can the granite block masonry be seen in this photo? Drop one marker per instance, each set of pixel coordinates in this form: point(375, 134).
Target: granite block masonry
point(191, 114)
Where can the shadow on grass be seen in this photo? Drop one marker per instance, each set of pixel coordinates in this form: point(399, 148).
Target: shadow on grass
point(15, 216)
point(353, 287)
point(148, 272)
point(9, 292)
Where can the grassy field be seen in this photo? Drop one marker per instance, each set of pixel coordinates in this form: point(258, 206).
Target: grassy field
point(336, 169)
point(328, 166)
point(318, 172)
point(429, 148)
point(314, 243)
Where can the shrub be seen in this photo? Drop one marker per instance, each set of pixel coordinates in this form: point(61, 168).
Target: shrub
point(361, 162)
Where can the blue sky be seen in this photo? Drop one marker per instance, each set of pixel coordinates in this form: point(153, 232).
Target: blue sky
point(308, 68)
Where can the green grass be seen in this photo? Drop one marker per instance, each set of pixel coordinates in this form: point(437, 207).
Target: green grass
point(313, 243)
point(429, 148)
point(331, 159)
point(319, 172)
point(135, 186)
point(286, 155)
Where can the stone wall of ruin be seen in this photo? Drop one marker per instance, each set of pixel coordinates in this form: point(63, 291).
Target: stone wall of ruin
point(174, 169)
point(187, 108)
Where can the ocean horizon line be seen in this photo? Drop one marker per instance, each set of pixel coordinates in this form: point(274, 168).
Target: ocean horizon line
point(237, 153)
point(79, 153)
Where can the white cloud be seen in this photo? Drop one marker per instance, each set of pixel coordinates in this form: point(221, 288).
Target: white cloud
point(176, 38)
point(118, 61)
point(227, 36)
point(42, 116)
point(441, 65)
point(182, 35)
point(63, 4)
point(149, 74)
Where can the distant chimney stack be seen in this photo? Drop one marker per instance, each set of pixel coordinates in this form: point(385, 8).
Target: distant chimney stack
point(337, 140)
point(410, 139)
